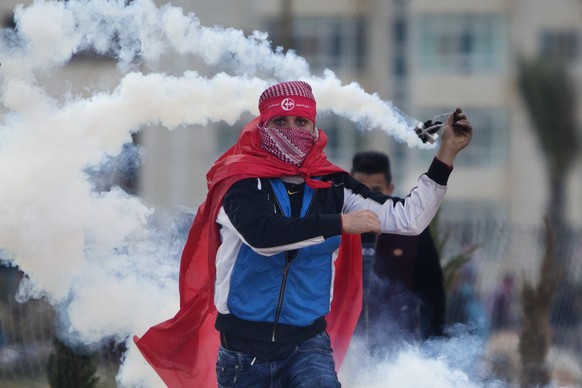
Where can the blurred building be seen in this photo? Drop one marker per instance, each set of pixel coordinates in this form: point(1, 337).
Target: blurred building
point(427, 57)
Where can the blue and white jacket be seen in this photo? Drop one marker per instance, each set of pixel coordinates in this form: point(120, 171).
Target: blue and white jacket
point(274, 267)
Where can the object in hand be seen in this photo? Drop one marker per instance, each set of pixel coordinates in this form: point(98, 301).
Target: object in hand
point(427, 131)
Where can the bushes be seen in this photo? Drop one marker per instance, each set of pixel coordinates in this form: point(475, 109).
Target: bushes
point(67, 369)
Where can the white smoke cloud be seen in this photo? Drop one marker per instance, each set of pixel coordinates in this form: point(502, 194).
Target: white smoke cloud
point(455, 362)
point(107, 260)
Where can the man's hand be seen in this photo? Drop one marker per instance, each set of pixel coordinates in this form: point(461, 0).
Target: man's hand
point(456, 135)
point(361, 221)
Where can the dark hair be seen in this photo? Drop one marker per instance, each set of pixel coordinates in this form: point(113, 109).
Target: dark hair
point(372, 162)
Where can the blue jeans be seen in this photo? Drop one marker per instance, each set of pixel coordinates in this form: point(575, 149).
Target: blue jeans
point(309, 365)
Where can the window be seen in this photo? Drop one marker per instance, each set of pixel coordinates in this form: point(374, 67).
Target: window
point(337, 43)
point(344, 139)
point(466, 43)
point(489, 146)
point(489, 143)
point(400, 30)
point(400, 62)
point(560, 45)
point(227, 135)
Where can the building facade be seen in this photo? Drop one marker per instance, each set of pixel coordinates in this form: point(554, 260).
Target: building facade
point(427, 57)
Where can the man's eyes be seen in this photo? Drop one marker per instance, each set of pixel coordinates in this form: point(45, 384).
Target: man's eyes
point(280, 121)
point(298, 122)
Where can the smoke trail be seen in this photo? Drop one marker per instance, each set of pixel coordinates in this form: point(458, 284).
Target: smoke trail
point(142, 32)
point(105, 258)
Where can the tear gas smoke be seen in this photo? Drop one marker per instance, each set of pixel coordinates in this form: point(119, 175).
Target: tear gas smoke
point(105, 259)
point(442, 363)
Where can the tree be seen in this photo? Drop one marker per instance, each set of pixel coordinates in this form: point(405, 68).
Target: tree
point(550, 98)
point(66, 369)
point(286, 24)
point(535, 335)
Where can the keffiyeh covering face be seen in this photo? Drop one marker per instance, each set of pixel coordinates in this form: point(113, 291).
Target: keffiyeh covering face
point(291, 145)
point(293, 98)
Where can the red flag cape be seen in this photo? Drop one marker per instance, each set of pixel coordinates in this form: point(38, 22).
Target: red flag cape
point(183, 349)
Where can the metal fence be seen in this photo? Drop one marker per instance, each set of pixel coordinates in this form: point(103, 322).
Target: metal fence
point(499, 259)
point(27, 332)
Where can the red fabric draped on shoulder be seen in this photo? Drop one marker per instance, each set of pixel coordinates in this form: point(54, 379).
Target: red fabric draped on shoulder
point(183, 349)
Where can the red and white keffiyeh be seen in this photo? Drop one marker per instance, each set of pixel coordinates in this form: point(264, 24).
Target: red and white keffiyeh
point(293, 98)
point(291, 145)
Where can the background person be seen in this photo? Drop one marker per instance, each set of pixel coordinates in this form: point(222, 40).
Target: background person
point(465, 304)
point(403, 279)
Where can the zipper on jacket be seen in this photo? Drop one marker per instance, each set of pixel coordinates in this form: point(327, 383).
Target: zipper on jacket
point(283, 280)
point(288, 261)
point(281, 294)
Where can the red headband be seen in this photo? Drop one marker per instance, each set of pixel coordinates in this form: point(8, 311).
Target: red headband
point(293, 98)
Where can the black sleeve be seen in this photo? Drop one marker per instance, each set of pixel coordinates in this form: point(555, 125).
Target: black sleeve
point(429, 285)
point(439, 172)
point(254, 214)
